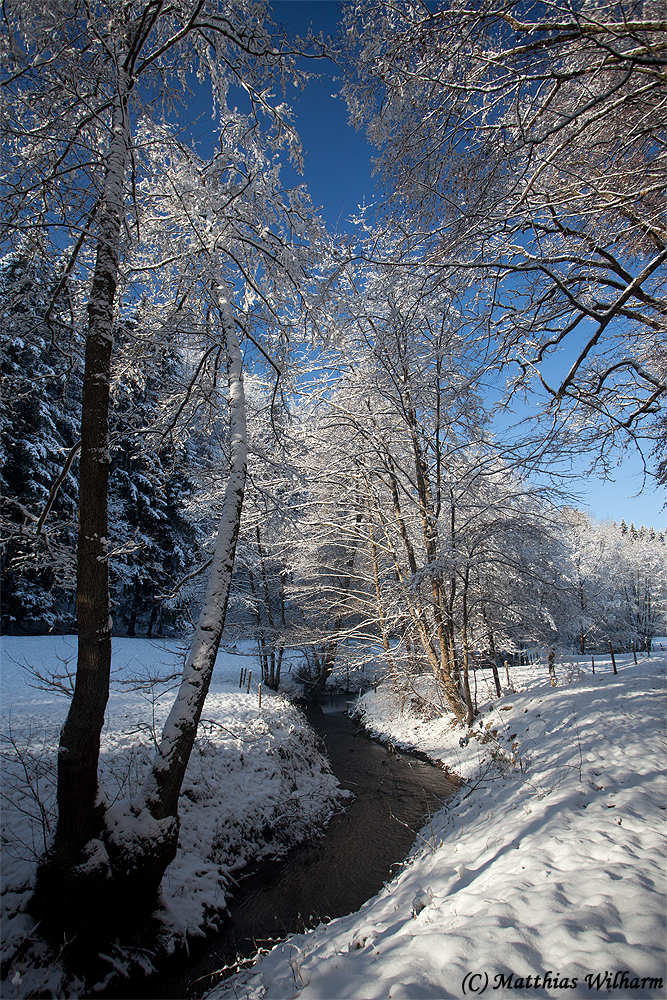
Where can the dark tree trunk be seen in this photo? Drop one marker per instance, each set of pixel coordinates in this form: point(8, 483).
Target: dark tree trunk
point(61, 890)
point(153, 619)
point(132, 622)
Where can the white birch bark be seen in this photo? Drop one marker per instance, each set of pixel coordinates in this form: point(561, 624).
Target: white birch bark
point(163, 786)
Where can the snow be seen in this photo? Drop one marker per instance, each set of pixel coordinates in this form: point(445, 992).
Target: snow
point(546, 868)
point(236, 803)
point(543, 877)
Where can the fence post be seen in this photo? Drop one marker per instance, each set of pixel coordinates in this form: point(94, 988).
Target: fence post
point(496, 678)
point(634, 650)
point(613, 658)
point(241, 677)
point(249, 676)
point(507, 671)
point(593, 663)
point(259, 688)
point(552, 668)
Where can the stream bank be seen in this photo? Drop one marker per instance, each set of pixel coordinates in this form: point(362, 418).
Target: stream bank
point(394, 793)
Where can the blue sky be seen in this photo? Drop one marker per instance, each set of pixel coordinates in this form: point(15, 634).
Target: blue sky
point(338, 158)
point(338, 174)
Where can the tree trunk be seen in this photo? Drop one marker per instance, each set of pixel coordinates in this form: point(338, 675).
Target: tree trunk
point(382, 619)
point(466, 654)
point(163, 786)
point(153, 619)
point(582, 637)
point(261, 643)
point(132, 622)
point(446, 671)
point(271, 678)
point(61, 890)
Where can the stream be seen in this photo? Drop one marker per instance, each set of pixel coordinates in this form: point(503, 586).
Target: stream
point(362, 848)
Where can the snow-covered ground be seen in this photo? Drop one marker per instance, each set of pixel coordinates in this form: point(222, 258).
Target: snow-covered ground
point(255, 784)
point(543, 877)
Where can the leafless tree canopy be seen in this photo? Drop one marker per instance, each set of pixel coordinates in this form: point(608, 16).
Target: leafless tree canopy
point(524, 144)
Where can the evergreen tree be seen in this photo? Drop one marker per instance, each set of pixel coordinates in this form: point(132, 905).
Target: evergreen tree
point(154, 541)
point(39, 431)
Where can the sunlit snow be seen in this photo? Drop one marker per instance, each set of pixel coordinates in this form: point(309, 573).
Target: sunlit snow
point(544, 876)
point(549, 864)
point(236, 802)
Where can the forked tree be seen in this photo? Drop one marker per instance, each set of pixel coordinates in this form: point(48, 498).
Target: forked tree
point(92, 133)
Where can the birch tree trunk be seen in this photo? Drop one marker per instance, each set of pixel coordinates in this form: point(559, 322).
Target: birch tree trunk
point(162, 788)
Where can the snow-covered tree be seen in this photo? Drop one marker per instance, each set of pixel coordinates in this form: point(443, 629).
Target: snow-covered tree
point(618, 578)
point(103, 184)
point(40, 411)
point(592, 581)
point(258, 604)
point(432, 542)
point(524, 147)
point(644, 585)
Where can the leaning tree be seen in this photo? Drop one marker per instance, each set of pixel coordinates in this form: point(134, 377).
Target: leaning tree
point(102, 183)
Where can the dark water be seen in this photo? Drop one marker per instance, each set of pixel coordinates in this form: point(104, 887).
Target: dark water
point(360, 850)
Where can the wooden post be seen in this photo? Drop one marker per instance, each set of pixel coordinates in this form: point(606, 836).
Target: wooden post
point(496, 678)
point(593, 663)
point(507, 671)
point(241, 677)
point(613, 658)
point(474, 673)
point(552, 668)
point(249, 676)
point(634, 650)
point(259, 688)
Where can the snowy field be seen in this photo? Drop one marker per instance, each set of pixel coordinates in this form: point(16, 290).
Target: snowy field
point(255, 784)
point(543, 877)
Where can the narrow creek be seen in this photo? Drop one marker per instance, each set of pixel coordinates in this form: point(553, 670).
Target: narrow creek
point(360, 850)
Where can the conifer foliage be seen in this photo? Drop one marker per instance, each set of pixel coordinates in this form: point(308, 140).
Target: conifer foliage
point(39, 431)
point(154, 541)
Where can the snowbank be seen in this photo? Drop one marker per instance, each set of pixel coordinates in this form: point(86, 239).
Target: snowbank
point(255, 783)
point(544, 877)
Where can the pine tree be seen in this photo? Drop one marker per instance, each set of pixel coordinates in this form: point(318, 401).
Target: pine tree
point(154, 541)
point(39, 431)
